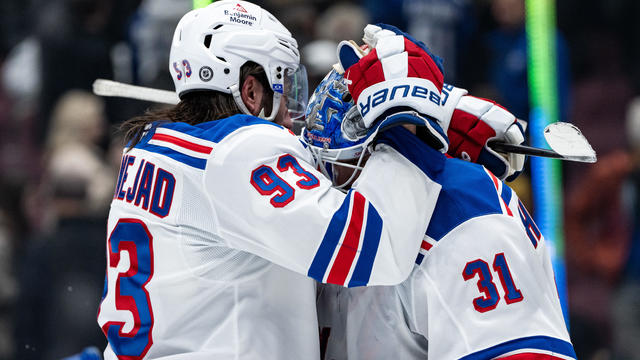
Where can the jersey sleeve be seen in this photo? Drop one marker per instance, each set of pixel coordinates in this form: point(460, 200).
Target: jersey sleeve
point(269, 200)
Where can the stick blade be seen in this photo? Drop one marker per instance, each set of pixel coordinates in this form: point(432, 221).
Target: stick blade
point(567, 140)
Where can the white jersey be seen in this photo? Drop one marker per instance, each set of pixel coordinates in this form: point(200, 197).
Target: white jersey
point(216, 232)
point(482, 288)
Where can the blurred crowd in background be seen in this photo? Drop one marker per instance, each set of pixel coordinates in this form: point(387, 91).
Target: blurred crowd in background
point(60, 148)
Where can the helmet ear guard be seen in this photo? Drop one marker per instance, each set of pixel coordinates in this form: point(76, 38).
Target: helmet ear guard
point(237, 97)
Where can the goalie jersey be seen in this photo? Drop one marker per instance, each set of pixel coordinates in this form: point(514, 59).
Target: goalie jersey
point(482, 287)
point(217, 231)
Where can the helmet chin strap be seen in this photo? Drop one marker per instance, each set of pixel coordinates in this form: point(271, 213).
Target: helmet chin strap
point(237, 97)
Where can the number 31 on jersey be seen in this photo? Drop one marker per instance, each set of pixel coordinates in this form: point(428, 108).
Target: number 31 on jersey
point(487, 286)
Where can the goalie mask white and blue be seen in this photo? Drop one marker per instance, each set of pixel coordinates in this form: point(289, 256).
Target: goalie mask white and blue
point(331, 115)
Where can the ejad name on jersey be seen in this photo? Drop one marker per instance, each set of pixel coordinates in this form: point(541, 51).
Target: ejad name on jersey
point(151, 189)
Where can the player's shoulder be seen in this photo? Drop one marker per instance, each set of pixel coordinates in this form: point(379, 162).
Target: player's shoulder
point(468, 191)
point(240, 135)
point(218, 130)
point(193, 145)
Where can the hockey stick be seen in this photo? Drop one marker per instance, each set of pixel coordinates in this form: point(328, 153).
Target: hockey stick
point(565, 140)
point(104, 87)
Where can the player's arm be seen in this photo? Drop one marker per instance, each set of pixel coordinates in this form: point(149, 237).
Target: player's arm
point(270, 200)
point(372, 234)
point(471, 122)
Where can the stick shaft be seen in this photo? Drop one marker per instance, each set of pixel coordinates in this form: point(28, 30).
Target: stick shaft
point(104, 87)
point(523, 149)
point(533, 151)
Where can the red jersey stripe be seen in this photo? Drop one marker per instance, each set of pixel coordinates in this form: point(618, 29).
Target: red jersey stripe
point(349, 246)
point(496, 184)
point(425, 245)
point(183, 143)
point(495, 180)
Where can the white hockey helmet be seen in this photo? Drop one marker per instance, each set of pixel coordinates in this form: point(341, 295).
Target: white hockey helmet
point(211, 44)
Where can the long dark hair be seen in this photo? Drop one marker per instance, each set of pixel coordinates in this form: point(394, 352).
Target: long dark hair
point(196, 107)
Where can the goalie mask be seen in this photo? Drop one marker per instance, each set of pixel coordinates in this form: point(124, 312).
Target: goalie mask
point(330, 114)
point(211, 44)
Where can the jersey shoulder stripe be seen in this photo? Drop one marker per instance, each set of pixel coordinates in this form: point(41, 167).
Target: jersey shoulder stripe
point(194, 162)
point(167, 137)
point(505, 196)
point(192, 144)
point(554, 346)
point(215, 131)
point(467, 192)
point(352, 237)
point(427, 244)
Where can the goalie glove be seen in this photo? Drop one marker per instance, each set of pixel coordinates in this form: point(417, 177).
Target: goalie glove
point(398, 79)
point(473, 122)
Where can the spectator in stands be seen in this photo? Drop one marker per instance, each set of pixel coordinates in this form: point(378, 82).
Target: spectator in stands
point(62, 273)
point(8, 284)
point(338, 22)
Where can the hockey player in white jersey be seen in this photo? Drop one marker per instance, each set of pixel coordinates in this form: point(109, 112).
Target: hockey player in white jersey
point(482, 287)
point(220, 222)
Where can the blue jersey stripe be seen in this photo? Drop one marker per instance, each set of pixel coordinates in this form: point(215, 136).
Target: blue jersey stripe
point(467, 192)
point(175, 155)
point(369, 249)
point(330, 241)
point(218, 129)
point(533, 342)
point(506, 194)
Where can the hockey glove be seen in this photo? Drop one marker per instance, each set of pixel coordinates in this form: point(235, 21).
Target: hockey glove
point(473, 122)
point(398, 76)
